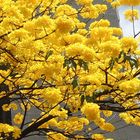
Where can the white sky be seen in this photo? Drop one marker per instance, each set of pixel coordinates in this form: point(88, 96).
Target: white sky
point(127, 25)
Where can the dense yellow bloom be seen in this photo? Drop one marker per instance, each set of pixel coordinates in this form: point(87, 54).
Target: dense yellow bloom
point(64, 24)
point(56, 61)
point(129, 43)
point(101, 8)
point(66, 9)
point(117, 31)
point(109, 1)
point(78, 49)
point(84, 2)
point(91, 110)
point(130, 2)
point(100, 23)
point(7, 129)
point(52, 95)
point(111, 47)
point(89, 12)
point(130, 86)
point(95, 78)
point(101, 34)
point(75, 38)
point(131, 15)
point(80, 25)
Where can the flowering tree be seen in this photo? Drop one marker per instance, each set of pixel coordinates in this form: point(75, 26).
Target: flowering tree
point(71, 75)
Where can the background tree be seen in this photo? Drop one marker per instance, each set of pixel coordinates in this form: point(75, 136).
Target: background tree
point(72, 76)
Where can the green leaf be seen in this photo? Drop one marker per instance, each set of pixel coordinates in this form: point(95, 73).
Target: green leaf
point(48, 54)
point(83, 64)
point(66, 63)
point(121, 53)
point(73, 64)
point(69, 63)
point(111, 63)
point(82, 99)
point(133, 62)
point(75, 82)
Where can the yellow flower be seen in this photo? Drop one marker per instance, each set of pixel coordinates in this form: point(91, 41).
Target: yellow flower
point(56, 136)
point(130, 2)
point(100, 23)
point(107, 113)
point(98, 137)
point(45, 21)
point(111, 47)
point(101, 8)
point(125, 117)
point(109, 1)
point(115, 3)
point(6, 107)
point(130, 86)
point(108, 127)
point(80, 25)
point(74, 38)
point(131, 14)
point(78, 49)
point(66, 9)
point(16, 133)
point(91, 110)
point(52, 95)
point(18, 118)
point(117, 31)
point(64, 24)
point(129, 44)
point(89, 11)
point(13, 106)
point(101, 34)
point(84, 2)
point(63, 1)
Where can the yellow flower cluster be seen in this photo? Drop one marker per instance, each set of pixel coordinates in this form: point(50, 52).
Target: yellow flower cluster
point(7, 107)
point(129, 44)
point(18, 118)
point(98, 137)
point(100, 23)
point(78, 49)
point(64, 24)
point(131, 15)
point(84, 2)
point(56, 136)
point(7, 129)
point(91, 110)
point(130, 86)
point(52, 95)
point(115, 3)
point(130, 2)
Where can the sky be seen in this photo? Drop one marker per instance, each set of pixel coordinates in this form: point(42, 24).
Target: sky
point(127, 25)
